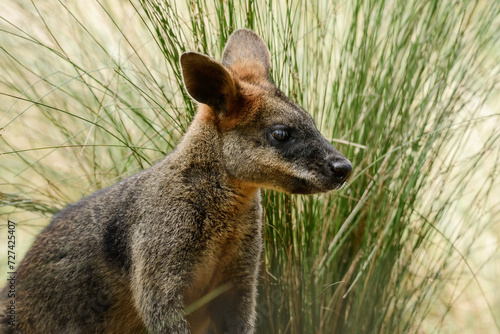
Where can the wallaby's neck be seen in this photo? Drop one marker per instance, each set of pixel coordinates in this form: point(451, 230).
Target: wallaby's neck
point(200, 152)
point(201, 146)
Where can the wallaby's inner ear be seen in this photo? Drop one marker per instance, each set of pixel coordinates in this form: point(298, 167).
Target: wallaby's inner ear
point(207, 81)
point(247, 48)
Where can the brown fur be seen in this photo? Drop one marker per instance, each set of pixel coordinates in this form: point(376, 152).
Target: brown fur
point(135, 256)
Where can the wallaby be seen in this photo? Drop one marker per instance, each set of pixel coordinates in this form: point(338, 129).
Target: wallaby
point(135, 257)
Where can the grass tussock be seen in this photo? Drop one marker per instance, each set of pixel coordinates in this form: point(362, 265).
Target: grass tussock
point(91, 93)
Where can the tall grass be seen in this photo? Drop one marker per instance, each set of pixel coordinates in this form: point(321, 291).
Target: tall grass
point(91, 92)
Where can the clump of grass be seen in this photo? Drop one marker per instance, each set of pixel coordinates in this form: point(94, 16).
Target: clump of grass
point(399, 87)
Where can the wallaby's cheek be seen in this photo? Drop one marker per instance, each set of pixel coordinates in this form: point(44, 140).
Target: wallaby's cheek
point(307, 164)
point(265, 167)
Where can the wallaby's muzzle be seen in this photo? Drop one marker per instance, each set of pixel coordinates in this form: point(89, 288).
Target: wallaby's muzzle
point(340, 169)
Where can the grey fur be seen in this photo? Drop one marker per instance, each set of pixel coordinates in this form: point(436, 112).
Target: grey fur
point(132, 257)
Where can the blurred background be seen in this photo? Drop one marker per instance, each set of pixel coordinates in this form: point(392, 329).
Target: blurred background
point(91, 92)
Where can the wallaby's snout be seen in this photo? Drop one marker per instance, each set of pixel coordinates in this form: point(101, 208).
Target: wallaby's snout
point(340, 169)
point(314, 165)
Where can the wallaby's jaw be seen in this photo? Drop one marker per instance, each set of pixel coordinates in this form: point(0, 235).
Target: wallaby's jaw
point(268, 141)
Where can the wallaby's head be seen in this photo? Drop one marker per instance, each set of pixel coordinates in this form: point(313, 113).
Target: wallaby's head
point(268, 140)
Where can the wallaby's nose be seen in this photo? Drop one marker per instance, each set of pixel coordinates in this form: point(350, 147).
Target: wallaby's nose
point(340, 169)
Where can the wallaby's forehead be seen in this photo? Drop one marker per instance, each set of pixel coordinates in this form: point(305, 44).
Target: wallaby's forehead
point(278, 108)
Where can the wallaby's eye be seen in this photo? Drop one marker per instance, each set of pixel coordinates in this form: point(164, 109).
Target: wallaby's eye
point(280, 134)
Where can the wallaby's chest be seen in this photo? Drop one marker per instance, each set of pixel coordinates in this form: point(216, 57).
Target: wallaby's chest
point(224, 251)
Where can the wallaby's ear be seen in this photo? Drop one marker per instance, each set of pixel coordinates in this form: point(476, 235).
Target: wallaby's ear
point(207, 81)
point(246, 47)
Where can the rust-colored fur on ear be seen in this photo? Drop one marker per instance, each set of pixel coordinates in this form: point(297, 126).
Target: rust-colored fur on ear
point(245, 107)
point(245, 66)
point(252, 72)
point(248, 55)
